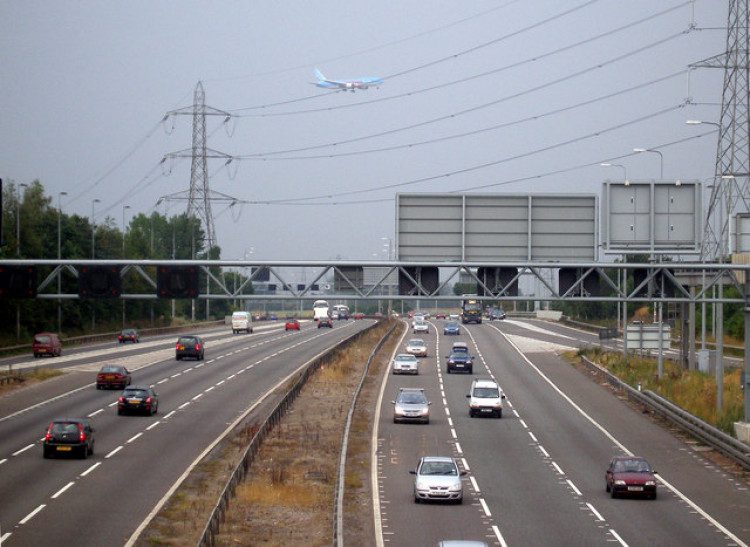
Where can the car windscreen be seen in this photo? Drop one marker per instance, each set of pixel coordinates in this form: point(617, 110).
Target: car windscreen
point(412, 398)
point(438, 468)
point(406, 357)
point(486, 392)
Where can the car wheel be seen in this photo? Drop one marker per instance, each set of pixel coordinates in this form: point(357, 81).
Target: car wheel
point(177, 358)
point(606, 486)
point(499, 414)
point(471, 414)
point(36, 355)
point(156, 408)
point(85, 452)
point(120, 412)
point(614, 494)
point(653, 496)
point(98, 386)
point(416, 499)
point(46, 453)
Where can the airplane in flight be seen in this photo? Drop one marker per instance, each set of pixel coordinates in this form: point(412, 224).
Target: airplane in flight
point(347, 85)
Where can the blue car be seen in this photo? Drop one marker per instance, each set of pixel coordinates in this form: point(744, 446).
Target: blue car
point(451, 327)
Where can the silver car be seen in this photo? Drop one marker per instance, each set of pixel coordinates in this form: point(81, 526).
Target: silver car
point(405, 364)
point(438, 478)
point(417, 346)
point(411, 405)
point(421, 327)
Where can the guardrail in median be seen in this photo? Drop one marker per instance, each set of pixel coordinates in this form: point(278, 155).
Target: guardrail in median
point(706, 433)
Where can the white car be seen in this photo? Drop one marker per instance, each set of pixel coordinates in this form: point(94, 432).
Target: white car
point(417, 347)
point(454, 317)
point(405, 363)
point(485, 398)
point(421, 327)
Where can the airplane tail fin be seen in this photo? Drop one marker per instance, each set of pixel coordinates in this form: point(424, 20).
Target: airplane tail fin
point(319, 75)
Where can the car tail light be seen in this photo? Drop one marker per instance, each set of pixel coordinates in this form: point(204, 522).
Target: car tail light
point(121, 400)
point(81, 433)
point(48, 435)
point(197, 347)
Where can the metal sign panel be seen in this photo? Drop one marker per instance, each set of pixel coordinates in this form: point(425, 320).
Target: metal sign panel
point(651, 217)
point(742, 233)
point(496, 227)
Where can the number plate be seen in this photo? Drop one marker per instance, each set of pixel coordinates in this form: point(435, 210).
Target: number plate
point(64, 448)
point(635, 488)
point(134, 401)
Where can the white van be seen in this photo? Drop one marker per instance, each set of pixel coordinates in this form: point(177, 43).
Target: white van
point(242, 321)
point(485, 398)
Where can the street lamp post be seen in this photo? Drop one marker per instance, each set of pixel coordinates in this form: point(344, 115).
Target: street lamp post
point(59, 257)
point(18, 219)
point(624, 170)
point(93, 227)
point(123, 228)
point(389, 244)
point(661, 158)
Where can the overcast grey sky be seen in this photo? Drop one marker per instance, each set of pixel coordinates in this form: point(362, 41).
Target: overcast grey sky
point(514, 96)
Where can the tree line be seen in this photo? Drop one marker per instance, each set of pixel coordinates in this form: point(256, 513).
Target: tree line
point(34, 227)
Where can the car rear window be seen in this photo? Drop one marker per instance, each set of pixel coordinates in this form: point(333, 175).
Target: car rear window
point(110, 369)
point(135, 393)
point(65, 427)
point(185, 340)
point(42, 340)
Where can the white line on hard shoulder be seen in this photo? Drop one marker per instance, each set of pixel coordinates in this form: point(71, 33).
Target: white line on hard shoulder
point(134, 437)
point(24, 449)
point(474, 484)
point(28, 517)
point(499, 536)
point(63, 489)
point(170, 414)
point(95, 413)
point(485, 508)
point(90, 469)
point(596, 513)
point(153, 425)
point(573, 486)
point(162, 381)
point(115, 451)
point(618, 538)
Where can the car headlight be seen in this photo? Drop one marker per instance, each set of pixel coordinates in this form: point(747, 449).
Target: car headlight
point(456, 487)
point(424, 411)
point(421, 485)
point(650, 483)
point(620, 483)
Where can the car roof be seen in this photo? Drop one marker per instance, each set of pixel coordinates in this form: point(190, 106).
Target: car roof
point(460, 345)
point(438, 459)
point(411, 389)
point(484, 382)
point(138, 387)
point(415, 341)
point(408, 356)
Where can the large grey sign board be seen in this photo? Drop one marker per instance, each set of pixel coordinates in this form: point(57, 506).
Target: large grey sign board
point(651, 217)
point(496, 227)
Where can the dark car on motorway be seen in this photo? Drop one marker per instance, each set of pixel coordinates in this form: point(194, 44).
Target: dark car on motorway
point(460, 360)
point(46, 343)
point(630, 476)
point(495, 313)
point(129, 335)
point(291, 324)
point(138, 399)
point(325, 322)
point(113, 376)
point(69, 436)
point(189, 346)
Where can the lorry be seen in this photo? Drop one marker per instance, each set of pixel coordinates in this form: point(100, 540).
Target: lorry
point(471, 310)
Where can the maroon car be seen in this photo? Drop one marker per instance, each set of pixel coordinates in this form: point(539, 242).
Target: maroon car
point(630, 476)
point(113, 376)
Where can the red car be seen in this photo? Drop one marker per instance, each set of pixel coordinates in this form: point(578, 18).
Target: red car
point(291, 324)
point(439, 315)
point(630, 476)
point(113, 376)
point(359, 315)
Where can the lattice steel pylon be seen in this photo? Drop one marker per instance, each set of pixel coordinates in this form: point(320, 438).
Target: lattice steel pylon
point(730, 193)
point(200, 196)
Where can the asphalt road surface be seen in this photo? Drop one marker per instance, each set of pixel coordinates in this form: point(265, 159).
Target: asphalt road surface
point(536, 476)
point(102, 500)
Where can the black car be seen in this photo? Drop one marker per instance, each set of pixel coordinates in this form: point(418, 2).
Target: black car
point(69, 436)
point(325, 322)
point(140, 399)
point(189, 346)
point(460, 361)
point(128, 335)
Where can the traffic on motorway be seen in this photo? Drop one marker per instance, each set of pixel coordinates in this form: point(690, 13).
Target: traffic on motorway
point(521, 449)
point(133, 414)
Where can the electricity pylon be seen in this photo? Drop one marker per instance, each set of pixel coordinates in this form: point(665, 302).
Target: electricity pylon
point(200, 196)
point(730, 192)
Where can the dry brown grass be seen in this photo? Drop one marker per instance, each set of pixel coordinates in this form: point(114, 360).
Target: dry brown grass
point(287, 495)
